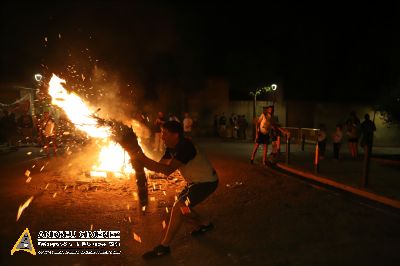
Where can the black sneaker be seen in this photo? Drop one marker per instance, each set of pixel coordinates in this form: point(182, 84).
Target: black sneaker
point(202, 229)
point(157, 252)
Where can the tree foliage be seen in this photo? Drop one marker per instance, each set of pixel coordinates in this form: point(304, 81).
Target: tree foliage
point(388, 106)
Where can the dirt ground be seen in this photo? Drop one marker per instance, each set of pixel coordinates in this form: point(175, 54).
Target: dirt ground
point(261, 216)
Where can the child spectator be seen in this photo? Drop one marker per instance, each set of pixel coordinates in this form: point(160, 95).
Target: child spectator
point(337, 141)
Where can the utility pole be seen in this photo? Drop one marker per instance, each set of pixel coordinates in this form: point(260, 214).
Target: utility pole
point(254, 94)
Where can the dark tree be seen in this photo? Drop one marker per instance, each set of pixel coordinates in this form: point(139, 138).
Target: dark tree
point(389, 106)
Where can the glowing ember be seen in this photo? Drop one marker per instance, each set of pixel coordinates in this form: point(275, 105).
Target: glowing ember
point(98, 174)
point(23, 207)
point(135, 196)
point(137, 238)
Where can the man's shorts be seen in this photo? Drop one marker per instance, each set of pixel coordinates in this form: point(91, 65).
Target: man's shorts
point(353, 140)
point(262, 138)
point(197, 192)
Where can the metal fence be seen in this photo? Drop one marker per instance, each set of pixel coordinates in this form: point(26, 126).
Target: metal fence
point(309, 135)
point(301, 135)
point(304, 136)
point(294, 134)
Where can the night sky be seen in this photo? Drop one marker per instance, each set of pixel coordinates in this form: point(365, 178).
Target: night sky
point(330, 51)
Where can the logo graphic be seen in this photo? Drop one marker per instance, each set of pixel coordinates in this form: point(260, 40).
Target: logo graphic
point(24, 243)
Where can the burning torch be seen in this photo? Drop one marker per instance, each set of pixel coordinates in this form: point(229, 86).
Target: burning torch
point(127, 138)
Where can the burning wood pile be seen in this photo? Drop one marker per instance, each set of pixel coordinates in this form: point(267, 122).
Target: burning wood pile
point(113, 157)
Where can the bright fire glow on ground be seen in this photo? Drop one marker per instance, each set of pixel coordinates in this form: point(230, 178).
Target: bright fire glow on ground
point(113, 158)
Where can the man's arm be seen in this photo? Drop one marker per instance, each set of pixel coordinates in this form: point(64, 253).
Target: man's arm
point(258, 124)
point(165, 167)
point(257, 128)
point(283, 131)
point(128, 140)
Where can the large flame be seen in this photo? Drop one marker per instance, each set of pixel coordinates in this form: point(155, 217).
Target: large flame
point(112, 157)
point(76, 109)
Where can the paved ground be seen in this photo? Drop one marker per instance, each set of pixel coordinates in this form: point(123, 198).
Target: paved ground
point(262, 217)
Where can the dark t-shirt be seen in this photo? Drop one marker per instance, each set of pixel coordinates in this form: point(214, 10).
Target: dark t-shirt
point(184, 151)
point(196, 168)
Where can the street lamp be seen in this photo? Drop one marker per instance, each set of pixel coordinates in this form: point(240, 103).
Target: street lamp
point(38, 77)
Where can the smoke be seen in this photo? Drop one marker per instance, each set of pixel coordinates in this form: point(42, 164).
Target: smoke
point(79, 160)
point(110, 96)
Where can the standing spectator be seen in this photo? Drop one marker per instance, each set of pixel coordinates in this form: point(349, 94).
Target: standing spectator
point(48, 133)
point(352, 127)
point(222, 125)
point(173, 117)
point(322, 141)
point(158, 142)
point(232, 126)
point(367, 131)
point(337, 141)
point(187, 126)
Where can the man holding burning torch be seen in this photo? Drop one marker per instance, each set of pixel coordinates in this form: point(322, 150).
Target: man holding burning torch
point(200, 176)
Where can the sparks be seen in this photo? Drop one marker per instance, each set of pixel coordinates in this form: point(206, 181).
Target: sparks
point(23, 207)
